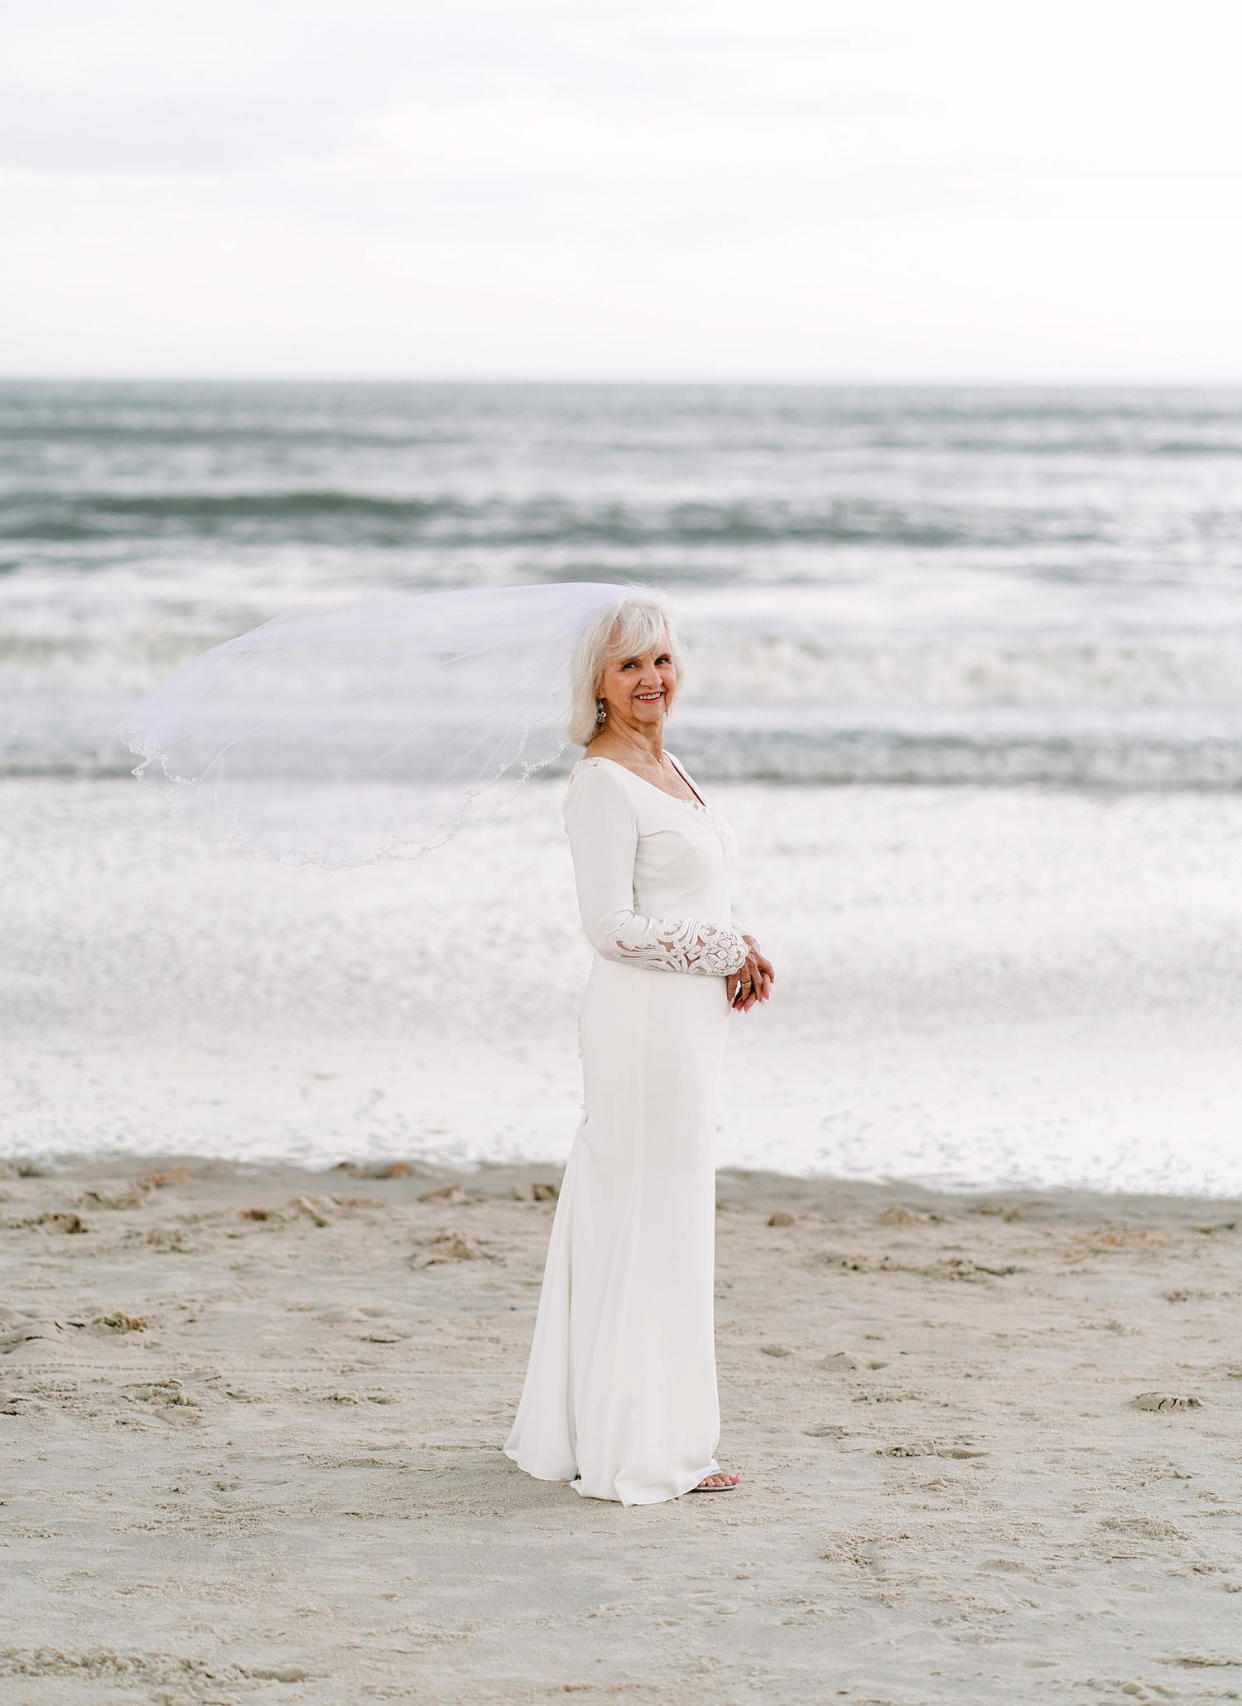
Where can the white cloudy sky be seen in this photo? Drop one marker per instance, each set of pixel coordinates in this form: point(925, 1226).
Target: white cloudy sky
point(691, 188)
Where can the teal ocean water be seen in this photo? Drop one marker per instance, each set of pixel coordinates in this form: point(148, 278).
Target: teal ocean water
point(931, 585)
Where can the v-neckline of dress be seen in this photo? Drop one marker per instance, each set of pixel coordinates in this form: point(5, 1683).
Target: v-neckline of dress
point(701, 807)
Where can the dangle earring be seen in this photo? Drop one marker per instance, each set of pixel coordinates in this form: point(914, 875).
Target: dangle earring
point(601, 714)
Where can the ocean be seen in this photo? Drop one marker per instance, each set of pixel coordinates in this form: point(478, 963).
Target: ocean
point(930, 630)
point(885, 585)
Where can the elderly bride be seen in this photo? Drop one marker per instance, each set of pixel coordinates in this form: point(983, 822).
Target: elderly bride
point(620, 1396)
point(268, 741)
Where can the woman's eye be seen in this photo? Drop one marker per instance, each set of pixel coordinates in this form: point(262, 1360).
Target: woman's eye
point(664, 660)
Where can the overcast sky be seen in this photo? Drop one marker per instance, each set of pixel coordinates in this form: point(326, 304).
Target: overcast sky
point(794, 189)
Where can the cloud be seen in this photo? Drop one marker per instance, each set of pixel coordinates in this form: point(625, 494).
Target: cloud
point(229, 86)
point(710, 180)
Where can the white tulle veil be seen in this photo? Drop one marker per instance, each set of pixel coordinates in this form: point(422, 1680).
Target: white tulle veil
point(338, 736)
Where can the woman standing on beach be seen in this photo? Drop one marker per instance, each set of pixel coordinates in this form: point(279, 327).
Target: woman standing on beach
point(338, 736)
point(620, 1396)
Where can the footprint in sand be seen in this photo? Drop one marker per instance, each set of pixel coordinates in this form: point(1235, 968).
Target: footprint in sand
point(21, 1332)
point(170, 1240)
point(166, 1399)
point(118, 1322)
point(131, 1197)
point(18, 1328)
point(444, 1193)
point(51, 1223)
point(451, 1247)
point(927, 1448)
point(1164, 1401)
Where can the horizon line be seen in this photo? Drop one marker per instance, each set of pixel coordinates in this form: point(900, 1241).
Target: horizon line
point(1098, 382)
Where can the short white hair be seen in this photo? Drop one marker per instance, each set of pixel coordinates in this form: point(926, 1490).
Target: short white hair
point(625, 628)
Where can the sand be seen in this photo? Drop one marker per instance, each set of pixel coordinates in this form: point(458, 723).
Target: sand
point(252, 1422)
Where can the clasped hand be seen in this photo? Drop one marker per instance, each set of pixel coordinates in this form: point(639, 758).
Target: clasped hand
point(751, 982)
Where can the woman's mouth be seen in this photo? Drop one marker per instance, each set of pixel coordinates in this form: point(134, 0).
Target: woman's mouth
point(648, 698)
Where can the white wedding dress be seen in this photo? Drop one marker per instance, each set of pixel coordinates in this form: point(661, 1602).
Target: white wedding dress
point(620, 1396)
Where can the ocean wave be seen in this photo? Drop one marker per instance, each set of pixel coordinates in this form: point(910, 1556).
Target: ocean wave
point(808, 668)
point(365, 520)
point(608, 418)
point(889, 758)
point(970, 671)
point(762, 709)
point(1088, 759)
point(61, 519)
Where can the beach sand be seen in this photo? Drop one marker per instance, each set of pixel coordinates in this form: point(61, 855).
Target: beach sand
point(253, 1416)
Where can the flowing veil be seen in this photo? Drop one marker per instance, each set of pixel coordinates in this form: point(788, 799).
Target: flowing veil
point(339, 736)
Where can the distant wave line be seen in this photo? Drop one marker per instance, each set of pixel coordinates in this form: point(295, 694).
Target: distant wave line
point(826, 669)
point(446, 520)
point(861, 756)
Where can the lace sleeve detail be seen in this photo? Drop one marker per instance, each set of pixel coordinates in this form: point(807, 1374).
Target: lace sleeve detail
point(603, 837)
point(684, 944)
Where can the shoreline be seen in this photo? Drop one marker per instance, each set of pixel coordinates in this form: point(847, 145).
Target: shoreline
point(485, 1179)
point(970, 988)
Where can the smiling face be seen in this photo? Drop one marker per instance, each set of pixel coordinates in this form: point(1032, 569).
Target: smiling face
point(639, 690)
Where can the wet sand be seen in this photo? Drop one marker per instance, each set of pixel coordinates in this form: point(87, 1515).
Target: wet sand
point(975, 987)
point(252, 1421)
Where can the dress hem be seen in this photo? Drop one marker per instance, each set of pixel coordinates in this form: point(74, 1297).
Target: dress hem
point(713, 1468)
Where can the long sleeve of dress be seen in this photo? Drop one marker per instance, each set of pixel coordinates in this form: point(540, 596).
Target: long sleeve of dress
point(603, 838)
